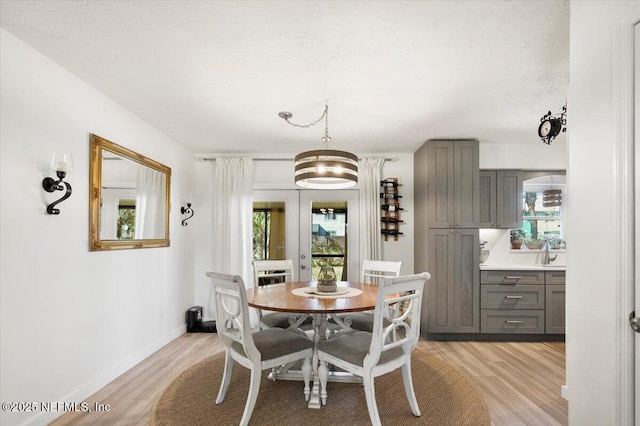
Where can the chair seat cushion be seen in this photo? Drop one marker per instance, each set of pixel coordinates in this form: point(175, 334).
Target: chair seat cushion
point(281, 319)
point(275, 342)
point(354, 347)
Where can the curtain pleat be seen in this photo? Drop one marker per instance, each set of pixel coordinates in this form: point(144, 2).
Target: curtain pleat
point(369, 176)
point(232, 218)
point(150, 202)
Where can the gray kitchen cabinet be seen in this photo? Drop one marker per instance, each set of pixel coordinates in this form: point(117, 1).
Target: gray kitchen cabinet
point(517, 321)
point(522, 302)
point(454, 287)
point(453, 183)
point(512, 302)
point(555, 303)
point(500, 199)
point(488, 200)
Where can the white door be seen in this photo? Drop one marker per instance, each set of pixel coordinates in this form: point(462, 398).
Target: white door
point(329, 233)
point(316, 226)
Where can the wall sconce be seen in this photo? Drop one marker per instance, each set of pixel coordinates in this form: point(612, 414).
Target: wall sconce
point(61, 164)
point(186, 210)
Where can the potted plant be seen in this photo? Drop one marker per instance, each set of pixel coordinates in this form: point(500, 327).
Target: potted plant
point(517, 237)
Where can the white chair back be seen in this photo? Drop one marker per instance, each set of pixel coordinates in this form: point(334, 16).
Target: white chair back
point(403, 326)
point(266, 349)
point(372, 354)
point(278, 270)
point(232, 312)
point(375, 270)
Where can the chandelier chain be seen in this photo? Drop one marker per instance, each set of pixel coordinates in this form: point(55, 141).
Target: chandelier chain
point(326, 138)
point(325, 113)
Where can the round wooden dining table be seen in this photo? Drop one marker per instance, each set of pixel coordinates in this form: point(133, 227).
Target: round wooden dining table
point(280, 298)
point(291, 297)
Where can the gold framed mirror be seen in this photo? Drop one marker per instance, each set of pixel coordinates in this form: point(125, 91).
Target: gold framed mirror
point(129, 198)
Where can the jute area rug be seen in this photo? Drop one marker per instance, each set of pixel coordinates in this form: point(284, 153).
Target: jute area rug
point(444, 395)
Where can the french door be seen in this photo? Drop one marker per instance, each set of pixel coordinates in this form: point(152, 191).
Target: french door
point(311, 227)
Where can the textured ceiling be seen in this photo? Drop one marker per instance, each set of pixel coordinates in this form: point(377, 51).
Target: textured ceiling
point(213, 75)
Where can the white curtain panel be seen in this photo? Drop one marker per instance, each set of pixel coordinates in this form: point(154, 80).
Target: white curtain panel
point(369, 177)
point(232, 213)
point(150, 202)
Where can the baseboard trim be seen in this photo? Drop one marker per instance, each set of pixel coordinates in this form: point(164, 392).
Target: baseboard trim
point(98, 383)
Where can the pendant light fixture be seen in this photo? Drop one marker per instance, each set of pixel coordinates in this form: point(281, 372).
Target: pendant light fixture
point(324, 168)
point(552, 197)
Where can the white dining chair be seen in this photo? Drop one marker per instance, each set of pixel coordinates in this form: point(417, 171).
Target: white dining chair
point(370, 355)
point(264, 349)
point(372, 272)
point(271, 272)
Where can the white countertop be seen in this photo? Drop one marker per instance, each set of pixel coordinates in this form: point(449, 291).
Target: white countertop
point(520, 267)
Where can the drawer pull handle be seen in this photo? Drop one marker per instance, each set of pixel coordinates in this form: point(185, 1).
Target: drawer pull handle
point(513, 297)
point(512, 278)
point(513, 322)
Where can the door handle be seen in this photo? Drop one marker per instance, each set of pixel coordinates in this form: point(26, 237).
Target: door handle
point(303, 267)
point(634, 322)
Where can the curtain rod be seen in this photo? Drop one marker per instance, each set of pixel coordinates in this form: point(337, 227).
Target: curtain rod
point(279, 159)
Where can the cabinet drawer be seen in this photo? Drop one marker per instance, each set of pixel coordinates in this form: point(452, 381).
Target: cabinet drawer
point(495, 296)
point(525, 321)
point(555, 277)
point(511, 277)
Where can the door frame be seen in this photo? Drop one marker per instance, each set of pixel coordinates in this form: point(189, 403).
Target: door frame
point(353, 230)
point(626, 189)
point(292, 216)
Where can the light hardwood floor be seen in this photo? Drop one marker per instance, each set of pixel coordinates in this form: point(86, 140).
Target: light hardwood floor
point(520, 382)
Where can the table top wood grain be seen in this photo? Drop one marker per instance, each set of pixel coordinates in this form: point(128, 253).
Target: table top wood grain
point(279, 298)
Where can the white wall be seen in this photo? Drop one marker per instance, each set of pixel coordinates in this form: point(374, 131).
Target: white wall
point(591, 262)
point(525, 156)
point(72, 320)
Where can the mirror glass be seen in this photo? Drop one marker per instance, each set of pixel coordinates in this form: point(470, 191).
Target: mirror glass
point(129, 198)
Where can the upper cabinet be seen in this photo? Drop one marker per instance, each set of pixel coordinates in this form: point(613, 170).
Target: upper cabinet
point(501, 199)
point(453, 183)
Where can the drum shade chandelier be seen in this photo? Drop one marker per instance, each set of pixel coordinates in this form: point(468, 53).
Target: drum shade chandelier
point(324, 168)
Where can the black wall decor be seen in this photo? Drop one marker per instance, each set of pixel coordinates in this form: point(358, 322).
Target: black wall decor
point(390, 205)
point(551, 125)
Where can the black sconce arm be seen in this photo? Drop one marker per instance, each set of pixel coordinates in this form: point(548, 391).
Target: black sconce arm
point(186, 210)
point(50, 185)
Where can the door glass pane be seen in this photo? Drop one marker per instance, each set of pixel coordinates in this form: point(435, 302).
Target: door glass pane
point(329, 237)
point(269, 230)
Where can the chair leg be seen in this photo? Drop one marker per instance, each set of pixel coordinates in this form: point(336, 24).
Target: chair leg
point(408, 388)
point(254, 388)
point(226, 377)
point(306, 374)
point(370, 397)
point(323, 375)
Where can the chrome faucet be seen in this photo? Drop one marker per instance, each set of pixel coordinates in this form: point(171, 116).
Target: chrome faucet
point(546, 259)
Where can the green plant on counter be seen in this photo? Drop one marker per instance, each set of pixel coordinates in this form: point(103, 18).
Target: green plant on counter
point(517, 234)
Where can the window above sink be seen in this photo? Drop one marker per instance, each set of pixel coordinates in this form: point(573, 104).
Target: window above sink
point(543, 207)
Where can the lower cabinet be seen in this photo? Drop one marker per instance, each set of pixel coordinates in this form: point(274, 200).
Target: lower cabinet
point(454, 287)
point(522, 302)
point(555, 310)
